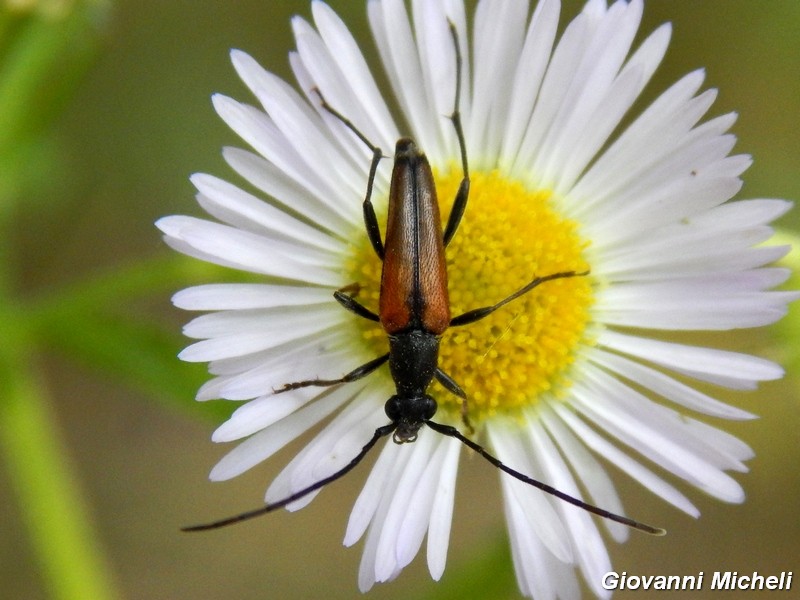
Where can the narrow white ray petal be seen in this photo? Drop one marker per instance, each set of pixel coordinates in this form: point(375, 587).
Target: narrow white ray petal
point(656, 446)
point(210, 390)
point(528, 77)
point(668, 192)
point(650, 53)
point(742, 214)
point(636, 470)
point(653, 137)
point(571, 160)
point(717, 254)
point(730, 166)
point(333, 447)
point(307, 362)
point(366, 571)
point(227, 322)
point(351, 147)
point(236, 207)
point(723, 441)
point(691, 303)
point(542, 516)
point(589, 472)
point(417, 516)
point(442, 509)
point(667, 120)
point(301, 126)
point(389, 549)
point(557, 79)
point(436, 55)
point(590, 552)
point(251, 252)
point(599, 66)
point(325, 338)
point(368, 500)
point(296, 360)
point(499, 33)
point(260, 336)
point(260, 413)
point(184, 248)
point(531, 557)
point(258, 130)
point(666, 386)
point(230, 296)
point(331, 83)
point(345, 51)
point(289, 194)
point(393, 35)
point(327, 353)
point(267, 442)
point(716, 447)
point(698, 362)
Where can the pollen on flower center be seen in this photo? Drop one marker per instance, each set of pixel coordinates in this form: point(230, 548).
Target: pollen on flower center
point(508, 236)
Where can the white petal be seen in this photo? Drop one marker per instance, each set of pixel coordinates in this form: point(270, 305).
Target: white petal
point(499, 31)
point(289, 194)
point(251, 252)
point(369, 558)
point(589, 472)
point(238, 335)
point(437, 60)
point(267, 442)
point(590, 552)
point(716, 447)
point(312, 359)
point(543, 518)
point(231, 296)
point(344, 50)
point(236, 207)
point(258, 130)
point(602, 59)
point(392, 32)
point(442, 509)
point(638, 472)
point(695, 303)
point(649, 440)
point(528, 77)
point(666, 120)
point(703, 363)
point(332, 448)
point(668, 387)
point(388, 550)
point(369, 499)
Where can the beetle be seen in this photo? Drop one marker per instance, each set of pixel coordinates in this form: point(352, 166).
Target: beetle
point(414, 309)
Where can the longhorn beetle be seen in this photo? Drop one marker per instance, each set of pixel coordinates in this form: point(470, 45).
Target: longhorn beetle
point(414, 309)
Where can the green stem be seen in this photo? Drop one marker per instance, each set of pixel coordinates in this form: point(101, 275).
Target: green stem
point(49, 497)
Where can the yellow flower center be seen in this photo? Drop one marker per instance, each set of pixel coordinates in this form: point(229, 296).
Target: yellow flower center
point(508, 235)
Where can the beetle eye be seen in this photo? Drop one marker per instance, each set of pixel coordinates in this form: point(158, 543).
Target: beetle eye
point(392, 408)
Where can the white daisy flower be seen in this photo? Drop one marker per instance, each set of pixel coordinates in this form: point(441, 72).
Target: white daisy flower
point(577, 368)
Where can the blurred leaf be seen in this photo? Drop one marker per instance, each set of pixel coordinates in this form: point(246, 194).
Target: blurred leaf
point(50, 499)
point(101, 323)
point(42, 60)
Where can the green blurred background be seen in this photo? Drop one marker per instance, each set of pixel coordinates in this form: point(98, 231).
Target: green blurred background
point(103, 147)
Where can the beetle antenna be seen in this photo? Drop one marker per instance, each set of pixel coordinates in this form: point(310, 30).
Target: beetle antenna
point(455, 433)
point(262, 510)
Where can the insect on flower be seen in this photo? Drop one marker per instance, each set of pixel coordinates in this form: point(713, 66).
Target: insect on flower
point(588, 234)
point(414, 310)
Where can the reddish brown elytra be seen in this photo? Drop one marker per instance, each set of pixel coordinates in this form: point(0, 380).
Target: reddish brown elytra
point(414, 310)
